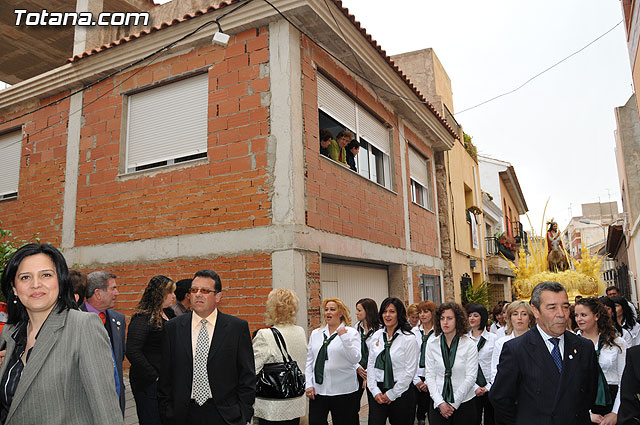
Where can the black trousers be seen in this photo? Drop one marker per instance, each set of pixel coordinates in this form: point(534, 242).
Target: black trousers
point(465, 414)
point(295, 421)
point(401, 411)
point(342, 407)
point(146, 402)
point(423, 403)
point(482, 403)
point(207, 414)
point(603, 410)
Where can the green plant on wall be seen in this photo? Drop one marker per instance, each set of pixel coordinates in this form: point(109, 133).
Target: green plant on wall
point(478, 294)
point(470, 147)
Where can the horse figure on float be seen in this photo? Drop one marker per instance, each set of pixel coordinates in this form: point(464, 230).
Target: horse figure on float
point(556, 256)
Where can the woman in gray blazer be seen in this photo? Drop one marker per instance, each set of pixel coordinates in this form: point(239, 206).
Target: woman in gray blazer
point(58, 367)
point(282, 306)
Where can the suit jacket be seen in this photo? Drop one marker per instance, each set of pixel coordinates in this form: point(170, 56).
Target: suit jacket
point(68, 379)
point(629, 412)
point(529, 390)
point(117, 332)
point(230, 368)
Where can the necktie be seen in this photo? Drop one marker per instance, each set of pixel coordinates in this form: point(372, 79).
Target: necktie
point(481, 381)
point(383, 362)
point(603, 397)
point(423, 346)
point(364, 349)
point(103, 317)
point(200, 377)
point(555, 353)
point(323, 356)
point(448, 358)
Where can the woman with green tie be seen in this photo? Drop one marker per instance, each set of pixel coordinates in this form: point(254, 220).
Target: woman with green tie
point(426, 312)
point(332, 357)
point(368, 324)
point(393, 360)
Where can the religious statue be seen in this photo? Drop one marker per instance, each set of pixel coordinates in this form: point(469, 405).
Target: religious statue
point(556, 256)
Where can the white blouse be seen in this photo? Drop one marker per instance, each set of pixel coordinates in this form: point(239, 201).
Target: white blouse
point(497, 350)
point(404, 360)
point(463, 373)
point(612, 361)
point(339, 370)
point(420, 370)
point(485, 355)
point(368, 341)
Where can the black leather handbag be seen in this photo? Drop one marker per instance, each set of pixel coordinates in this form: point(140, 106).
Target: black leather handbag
point(280, 380)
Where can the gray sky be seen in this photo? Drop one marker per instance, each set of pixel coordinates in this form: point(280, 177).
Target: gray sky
point(558, 131)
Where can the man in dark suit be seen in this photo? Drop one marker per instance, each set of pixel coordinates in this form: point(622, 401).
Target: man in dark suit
point(548, 376)
point(629, 412)
point(102, 292)
point(207, 375)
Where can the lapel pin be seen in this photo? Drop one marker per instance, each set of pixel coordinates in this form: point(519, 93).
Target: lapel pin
point(570, 357)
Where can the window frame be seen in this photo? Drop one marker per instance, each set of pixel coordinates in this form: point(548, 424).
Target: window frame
point(12, 140)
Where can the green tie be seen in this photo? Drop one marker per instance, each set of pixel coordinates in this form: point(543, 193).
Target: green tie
point(364, 349)
point(481, 381)
point(323, 356)
point(383, 362)
point(449, 358)
point(603, 398)
point(423, 347)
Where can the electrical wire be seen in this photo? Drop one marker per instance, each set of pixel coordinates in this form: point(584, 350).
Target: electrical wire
point(540, 73)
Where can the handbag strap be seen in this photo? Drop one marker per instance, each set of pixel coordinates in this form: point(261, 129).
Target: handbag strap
point(281, 345)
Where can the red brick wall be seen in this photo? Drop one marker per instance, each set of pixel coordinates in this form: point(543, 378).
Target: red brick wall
point(422, 223)
point(229, 191)
point(246, 282)
point(338, 200)
point(38, 207)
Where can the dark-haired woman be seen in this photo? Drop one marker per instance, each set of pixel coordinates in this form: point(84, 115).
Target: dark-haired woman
point(65, 376)
point(452, 368)
point(627, 320)
point(485, 341)
point(368, 323)
point(610, 306)
point(424, 331)
point(144, 346)
point(596, 325)
point(393, 360)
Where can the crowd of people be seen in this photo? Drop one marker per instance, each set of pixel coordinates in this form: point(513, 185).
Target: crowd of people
point(540, 362)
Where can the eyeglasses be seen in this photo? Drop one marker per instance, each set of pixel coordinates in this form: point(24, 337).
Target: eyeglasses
point(205, 291)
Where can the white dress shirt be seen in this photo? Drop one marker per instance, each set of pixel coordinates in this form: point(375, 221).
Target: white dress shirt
point(612, 361)
point(495, 326)
point(368, 341)
point(404, 360)
point(635, 335)
point(546, 338)
point(497, 350)
point(463, 373)
point(501, 332)
point(484, 356)
point(339, 370)
point(417, 332)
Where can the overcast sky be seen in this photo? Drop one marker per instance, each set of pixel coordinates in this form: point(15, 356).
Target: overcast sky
point(558, 131)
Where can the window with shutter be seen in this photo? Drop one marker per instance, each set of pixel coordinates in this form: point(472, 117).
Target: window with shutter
point(337, 111)
point(167, 124)
point(10, 151)
point(421, 181)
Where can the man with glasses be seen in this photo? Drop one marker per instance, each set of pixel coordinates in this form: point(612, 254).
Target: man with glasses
point(207, 374)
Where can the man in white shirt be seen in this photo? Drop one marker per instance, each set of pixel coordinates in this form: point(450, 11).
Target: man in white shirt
point(548, 375)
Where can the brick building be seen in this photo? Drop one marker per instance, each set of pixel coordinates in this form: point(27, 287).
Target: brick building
point(208, 156)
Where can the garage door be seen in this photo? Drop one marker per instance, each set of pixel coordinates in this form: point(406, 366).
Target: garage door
point(352, 282)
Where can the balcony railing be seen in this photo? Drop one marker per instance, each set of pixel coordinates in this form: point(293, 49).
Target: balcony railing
point(491, 243)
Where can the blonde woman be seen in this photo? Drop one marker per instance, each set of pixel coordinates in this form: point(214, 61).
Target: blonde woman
point(333, 354)
point(520, 319)
point(282, 306)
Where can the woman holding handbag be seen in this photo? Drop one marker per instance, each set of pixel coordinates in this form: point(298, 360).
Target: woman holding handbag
point(282, 306)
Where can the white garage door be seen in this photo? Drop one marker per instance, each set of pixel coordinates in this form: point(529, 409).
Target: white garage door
point(351, 283)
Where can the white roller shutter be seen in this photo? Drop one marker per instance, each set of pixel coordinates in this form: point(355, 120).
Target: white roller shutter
point(336, 104)
point(168, 122)
point(10, 150)
point(418, 168)
point(373, 131)
point(351, 283)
